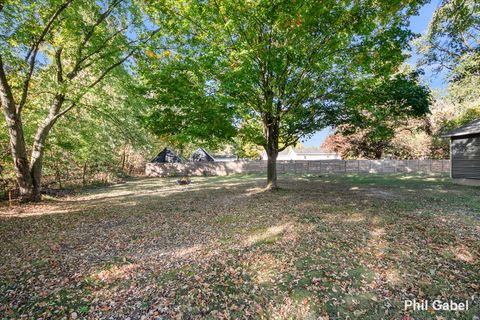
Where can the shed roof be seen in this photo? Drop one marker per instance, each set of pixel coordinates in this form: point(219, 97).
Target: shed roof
point(468, 129)
point(201, 155)
point(166, 156)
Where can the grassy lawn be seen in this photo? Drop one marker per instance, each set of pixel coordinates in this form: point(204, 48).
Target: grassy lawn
point(328, 247)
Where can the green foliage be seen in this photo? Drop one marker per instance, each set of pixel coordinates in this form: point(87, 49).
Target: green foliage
point(285, 63)
point(68, 64)
point(451, 45)
point(376, 109)
point(182, 107)
point(466, 117)
point(453, 34)
point(100, 133)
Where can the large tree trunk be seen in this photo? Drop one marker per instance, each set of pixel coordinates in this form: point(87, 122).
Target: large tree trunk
point(20, 159)
point(36, 165)
point(17, 139)
point(272, 170)
point(38, 149)
point(271, 127)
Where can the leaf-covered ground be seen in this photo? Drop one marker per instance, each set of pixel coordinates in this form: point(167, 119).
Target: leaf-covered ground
point(330, 247)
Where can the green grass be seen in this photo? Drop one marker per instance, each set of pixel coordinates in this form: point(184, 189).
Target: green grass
point(343, 246)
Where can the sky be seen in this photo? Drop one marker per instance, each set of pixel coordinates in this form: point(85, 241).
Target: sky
point(418, 24)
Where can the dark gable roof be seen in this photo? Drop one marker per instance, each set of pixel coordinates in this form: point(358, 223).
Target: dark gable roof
point(201, 155)
point(167, 156)
point(468, 129)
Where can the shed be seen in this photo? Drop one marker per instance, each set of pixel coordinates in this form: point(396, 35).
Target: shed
point(166, 156)
point(465, 153)
point(201, 155)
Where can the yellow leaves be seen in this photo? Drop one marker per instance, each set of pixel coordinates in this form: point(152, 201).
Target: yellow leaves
point(12, 42)
point(296, 22)
point(105, 308)
point(153, 55)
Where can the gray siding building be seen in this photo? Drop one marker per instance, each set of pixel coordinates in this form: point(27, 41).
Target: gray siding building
point(465, 152)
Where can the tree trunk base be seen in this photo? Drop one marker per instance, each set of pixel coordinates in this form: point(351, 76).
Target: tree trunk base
point(272, 187)
point(30, 197)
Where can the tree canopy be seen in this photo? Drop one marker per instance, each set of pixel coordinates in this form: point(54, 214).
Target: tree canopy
point(83, 80)
point(53, 56)
point(286, 66)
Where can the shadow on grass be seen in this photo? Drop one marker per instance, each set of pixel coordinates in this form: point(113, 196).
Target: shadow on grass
point(353, 246)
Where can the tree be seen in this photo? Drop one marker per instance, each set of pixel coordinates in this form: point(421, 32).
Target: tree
point(285, 64)
point(181, 109)
point(453, 36)
point(57, 52)
point(375, 109)
point(451, 46)
point(409, 141)
point(100, 140)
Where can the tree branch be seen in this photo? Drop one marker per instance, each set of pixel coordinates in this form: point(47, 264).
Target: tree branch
point(32, 54)
point(105, 73)
point(116, 64)
point(58, 62)
point(102, 18)
point(78, 65)
point(7, 99)
point(58, 115)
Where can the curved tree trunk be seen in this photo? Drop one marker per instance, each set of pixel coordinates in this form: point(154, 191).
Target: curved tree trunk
point(28, 175)
point(38, 149)
point(16, 135)
point(20, 159)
